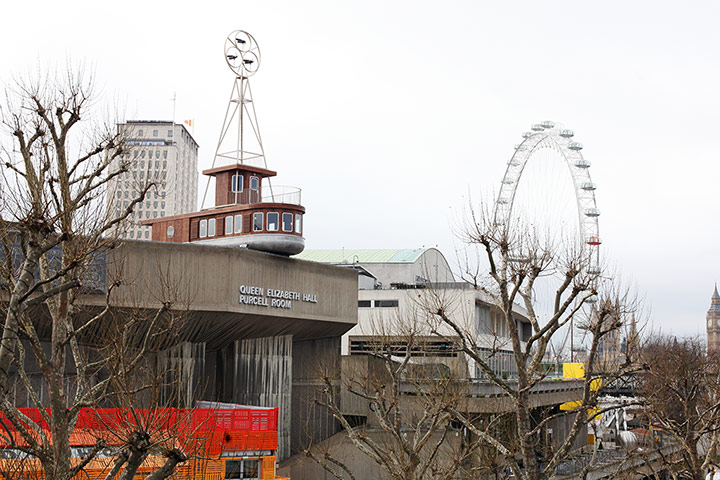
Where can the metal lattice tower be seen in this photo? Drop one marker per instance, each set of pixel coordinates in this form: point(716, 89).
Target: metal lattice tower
point(240, 141)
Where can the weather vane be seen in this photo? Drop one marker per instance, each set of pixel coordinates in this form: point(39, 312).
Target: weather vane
point(242, 53)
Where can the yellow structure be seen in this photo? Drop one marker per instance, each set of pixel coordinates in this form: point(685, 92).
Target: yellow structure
point(576, 371)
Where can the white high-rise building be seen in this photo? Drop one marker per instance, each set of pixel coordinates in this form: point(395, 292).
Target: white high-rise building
point(166, 154)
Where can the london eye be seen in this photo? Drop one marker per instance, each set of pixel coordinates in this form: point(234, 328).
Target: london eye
point(561, 143)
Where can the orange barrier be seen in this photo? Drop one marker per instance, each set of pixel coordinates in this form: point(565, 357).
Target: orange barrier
point(222, 443)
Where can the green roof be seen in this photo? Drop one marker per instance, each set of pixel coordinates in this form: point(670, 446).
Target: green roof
point(362, 256)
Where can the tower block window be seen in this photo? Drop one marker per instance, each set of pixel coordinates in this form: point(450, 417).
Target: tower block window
point(298, 223)
point(237, 183)
point(273, 220)
point(287, 222)
point(257, 222)
point(203, 229)
point(211, 227)
point(238, 224)
point(228, 225)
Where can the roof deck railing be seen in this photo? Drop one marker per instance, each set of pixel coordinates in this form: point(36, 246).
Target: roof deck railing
point(270, 194)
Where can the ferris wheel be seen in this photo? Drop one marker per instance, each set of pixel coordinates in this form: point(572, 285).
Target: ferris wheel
point(548, 135)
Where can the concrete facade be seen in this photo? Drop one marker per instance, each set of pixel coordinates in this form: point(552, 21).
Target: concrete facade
point(255, 328)
point(163, 152)
point(398, 290)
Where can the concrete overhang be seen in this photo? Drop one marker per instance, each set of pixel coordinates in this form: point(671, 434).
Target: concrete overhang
point(226, 293)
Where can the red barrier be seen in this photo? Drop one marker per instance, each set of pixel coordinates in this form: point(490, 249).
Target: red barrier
point(217, 429)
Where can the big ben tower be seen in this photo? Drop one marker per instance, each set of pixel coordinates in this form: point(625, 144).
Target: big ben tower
point(713, 323)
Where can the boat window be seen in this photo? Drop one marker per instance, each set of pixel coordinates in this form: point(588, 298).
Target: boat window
point(273, 218)
point(228, 225)
point(287, 222)
point(254, 183)
point(237, 183)
point(203, 229)
point(257, 222)
point(211, 227)
point(298, 223)
point(238, 223)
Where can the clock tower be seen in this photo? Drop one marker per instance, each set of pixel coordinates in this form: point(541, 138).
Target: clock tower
point(713, 323)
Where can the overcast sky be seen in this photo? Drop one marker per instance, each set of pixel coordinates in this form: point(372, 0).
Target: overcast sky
point(388, 114)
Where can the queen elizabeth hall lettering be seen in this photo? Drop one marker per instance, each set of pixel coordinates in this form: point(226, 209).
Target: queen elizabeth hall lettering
point(271, 297)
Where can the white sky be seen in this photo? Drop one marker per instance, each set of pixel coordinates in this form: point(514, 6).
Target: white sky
point(388, 114)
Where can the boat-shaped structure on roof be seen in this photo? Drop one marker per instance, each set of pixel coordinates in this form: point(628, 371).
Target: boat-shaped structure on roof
point(249, 210)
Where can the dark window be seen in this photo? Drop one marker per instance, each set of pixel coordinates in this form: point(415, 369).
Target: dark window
point(233, 469)
point(287, 221)
point(273, 218)
point(237, 183)
point(254, 183)
point(238, 469)
point(364, 303)
point(257, 222)
point(386, 303)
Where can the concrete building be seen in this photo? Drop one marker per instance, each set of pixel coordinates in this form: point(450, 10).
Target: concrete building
point(397, 290)
point(713, 323)
point(257, 329)
point(162, 152)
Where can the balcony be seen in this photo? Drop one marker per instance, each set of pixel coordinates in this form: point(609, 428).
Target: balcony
point(270, 194)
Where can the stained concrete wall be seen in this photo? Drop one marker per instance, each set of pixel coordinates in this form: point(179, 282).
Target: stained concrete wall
point(311, 360)
point(206, 278)
point(263, 377)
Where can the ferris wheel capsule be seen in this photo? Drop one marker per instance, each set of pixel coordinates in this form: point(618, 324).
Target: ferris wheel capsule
point(527, 134)
point(593, 240)
point(575, 146)
point(513, 162)
point(503, 201)
point(582, 163)
point(547, 124)
point(537, 128)
point(594, 270)
point(588, 186)
point(592, 212)
point(566, 133)
point(508, 180)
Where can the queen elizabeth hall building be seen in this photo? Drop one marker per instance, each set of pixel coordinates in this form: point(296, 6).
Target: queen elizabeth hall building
point(255, 328)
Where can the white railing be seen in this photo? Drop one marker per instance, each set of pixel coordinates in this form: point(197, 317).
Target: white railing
point(270, 194)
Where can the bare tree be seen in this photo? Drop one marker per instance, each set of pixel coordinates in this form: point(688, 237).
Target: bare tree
point(681, 391)
point(59, 159)
point(517, 260)
point(406, 407)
